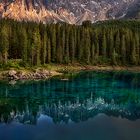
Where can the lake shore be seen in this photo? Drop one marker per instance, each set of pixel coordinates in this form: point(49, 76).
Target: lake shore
point(78, 67)
point(55, 70)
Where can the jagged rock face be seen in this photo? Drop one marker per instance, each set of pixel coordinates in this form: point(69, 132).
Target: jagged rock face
point(27, 10)
point(70, 11)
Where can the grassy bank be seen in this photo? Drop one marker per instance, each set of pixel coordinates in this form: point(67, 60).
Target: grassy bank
point(57, 69)
point(79, 67)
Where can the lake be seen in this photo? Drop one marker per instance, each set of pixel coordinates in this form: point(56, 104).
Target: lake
point(83, 106)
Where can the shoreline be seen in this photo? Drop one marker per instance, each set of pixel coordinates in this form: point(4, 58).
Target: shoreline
point(19, 75)
point(115, 68)
point(78, 68)
point(56, 70)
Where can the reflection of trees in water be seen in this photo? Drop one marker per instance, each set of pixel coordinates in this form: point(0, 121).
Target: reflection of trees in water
point(26, 111)
point(114, 94)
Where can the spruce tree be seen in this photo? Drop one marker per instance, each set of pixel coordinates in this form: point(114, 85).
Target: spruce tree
point(24, 45)
point(36, 46)
point(104, 45)
point(48, 51)
point(4, 44)
point(53, 43)
point(123, 50)
point(44, 48)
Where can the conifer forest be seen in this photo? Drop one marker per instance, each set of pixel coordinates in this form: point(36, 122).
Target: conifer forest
point(102, 43)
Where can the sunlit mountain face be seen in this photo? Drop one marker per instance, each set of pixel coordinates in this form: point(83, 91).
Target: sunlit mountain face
point(70, 11)
point(70, 101)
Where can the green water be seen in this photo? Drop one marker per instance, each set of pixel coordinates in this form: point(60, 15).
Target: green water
point(86, 106)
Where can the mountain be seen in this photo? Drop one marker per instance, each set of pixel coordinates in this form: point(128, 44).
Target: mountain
point(70, 11)
point(134, 11)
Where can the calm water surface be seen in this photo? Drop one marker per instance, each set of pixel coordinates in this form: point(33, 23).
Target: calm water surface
point(88, 106)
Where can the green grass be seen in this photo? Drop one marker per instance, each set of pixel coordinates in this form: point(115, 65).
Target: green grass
point(17, 64)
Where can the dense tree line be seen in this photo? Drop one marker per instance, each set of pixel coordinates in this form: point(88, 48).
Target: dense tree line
point(110, 42)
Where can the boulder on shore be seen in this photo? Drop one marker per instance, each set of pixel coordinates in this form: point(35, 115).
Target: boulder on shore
point(37, 74)
point(12, 73)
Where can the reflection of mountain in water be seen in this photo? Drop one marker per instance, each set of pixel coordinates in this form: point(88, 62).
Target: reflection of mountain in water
point(69, 111)
point(52, 98)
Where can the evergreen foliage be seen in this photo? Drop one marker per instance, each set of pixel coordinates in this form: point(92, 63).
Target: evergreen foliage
point(110, 43)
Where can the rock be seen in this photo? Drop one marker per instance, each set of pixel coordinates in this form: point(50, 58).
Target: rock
point(37, 75)
point(13, 82)
point(12, 75)
point(26, 75)
point(30, 75)
point(45, 72)
point(70, 11)
point(37, 70)
point(54, 73)
point(15, 77)
point(12, 72)
point(21, 75)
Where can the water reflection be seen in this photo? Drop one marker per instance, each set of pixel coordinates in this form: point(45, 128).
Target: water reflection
point(84, 96)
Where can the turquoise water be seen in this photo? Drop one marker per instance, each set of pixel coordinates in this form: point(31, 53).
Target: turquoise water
point(86, 106)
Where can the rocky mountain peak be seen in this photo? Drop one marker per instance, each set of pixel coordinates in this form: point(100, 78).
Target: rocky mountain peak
point(70, 11)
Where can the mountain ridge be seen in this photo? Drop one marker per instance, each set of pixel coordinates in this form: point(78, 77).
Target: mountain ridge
point(69, 11)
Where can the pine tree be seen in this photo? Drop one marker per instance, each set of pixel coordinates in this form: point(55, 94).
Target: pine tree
point(53, 43)
point(24, 45)
point(117, 46)
point(44, 48)
point(92, 54)
point(137, 43)
point(36, 46)
point(87, 47)
point(48, 51)
point(123, 50)
point(4, 44)
point(66, 49)
point(71, 45)
point(59, 51)
point(104, 45)
point(96, 43)
point(80, 44)
point(133, 51)
point(112, 51)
